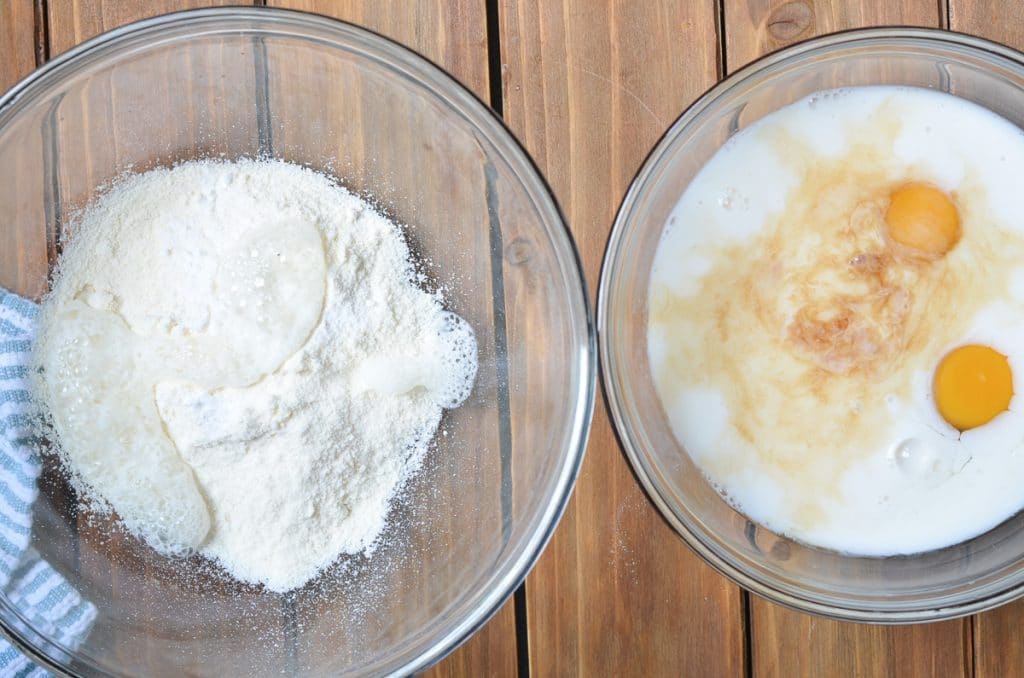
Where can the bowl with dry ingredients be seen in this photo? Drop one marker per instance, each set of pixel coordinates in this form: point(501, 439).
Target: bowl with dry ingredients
point(296, 360)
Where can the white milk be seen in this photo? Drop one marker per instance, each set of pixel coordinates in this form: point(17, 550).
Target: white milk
point(844, 450)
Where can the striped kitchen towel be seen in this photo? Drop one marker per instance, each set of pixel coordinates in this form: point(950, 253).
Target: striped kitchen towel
point(42, 596)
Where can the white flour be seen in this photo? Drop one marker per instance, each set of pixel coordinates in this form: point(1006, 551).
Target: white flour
point(236, 358)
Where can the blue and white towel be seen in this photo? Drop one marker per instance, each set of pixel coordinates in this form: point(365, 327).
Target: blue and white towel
point(42, 595)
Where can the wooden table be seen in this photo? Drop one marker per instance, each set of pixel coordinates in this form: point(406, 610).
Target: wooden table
point(589, 86)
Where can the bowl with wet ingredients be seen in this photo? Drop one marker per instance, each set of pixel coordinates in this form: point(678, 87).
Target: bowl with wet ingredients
point(799, 389)
point(231, 84)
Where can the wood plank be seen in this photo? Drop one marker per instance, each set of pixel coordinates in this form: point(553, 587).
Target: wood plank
point(17, 41)
point(755, 27)
point(453, 35)
point(589, 87)
point(178, 128)
point(75, 21)
point(23, 254)
point(186, 124)
point(998, 651)
point(999, 20)
point(786, 642)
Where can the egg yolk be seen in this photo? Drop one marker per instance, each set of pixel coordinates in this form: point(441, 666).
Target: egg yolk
point(973, 384)
point(923, 218)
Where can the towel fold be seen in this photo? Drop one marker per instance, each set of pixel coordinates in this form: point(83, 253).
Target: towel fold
point(44, 597)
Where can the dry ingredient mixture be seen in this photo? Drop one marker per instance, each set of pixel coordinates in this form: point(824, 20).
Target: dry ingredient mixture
point(236, 358)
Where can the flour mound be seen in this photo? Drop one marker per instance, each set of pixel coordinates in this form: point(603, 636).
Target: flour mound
point(236, 358)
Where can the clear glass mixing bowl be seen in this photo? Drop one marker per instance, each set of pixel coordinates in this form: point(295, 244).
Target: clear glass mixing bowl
point(393, 127)
point(981, 573)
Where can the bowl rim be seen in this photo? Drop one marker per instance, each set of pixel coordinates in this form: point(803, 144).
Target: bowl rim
point(507, 579)
point(751, 580)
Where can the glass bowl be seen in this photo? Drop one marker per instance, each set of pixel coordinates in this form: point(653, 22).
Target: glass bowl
point(978, 574)
point(395, 128)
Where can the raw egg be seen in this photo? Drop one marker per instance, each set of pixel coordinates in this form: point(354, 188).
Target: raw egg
point(973, 385)
point(922, 217)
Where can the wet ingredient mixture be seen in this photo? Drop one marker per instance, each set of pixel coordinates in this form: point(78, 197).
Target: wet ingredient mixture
point(836, 320)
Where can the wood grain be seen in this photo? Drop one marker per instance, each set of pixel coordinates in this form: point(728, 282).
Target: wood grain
point(74, 21)
point(17, 42)
point(998, 650)
point(755, 27)
point(786, 642)
point(98, 133)
point(178, 126)
point(453, 35)
point(999, 20)
point(23, 253)
point(589, 87)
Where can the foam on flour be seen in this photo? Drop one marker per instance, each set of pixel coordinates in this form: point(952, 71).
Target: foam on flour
point(204, 356)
